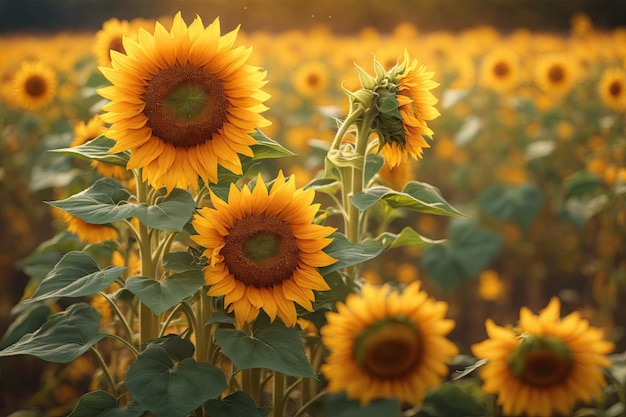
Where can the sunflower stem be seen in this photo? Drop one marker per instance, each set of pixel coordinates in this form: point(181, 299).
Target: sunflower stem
point(279, 394)
point(203, 332)
point(352, 117)
point(105, 370)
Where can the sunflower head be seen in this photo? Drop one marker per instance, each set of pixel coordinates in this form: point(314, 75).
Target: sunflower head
point(386, 344)
point(183, 102)
point(612, 89)
point(34, 85)
point(264, 249)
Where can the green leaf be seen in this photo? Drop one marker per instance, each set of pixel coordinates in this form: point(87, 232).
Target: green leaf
point(519, 203)
point(172, 390)
point(220, 316)
point(180, 262)
point(97, 150)
point(373, 164)
point(103, 404)
point(579, 210)
point(449, 400)
point(467, 251)
point(161, 295)
point(338, 405)
point(406, 237)
point(107, 201)
point(268, 148)
point(63, 338)
point(75, 275)
point(416, 196)
point(469, 369)
point(27, 321)
point(272, 345)
point(176, 347)
point(348, 254)
point(238, 404)
point(581, 184)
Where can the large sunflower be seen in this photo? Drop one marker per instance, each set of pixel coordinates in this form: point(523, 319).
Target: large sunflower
point(183, 102)
point(612, 89)
point(386, 344)
point(546, 367)
point(34, 85)
point(416, 105)
point(263, 249)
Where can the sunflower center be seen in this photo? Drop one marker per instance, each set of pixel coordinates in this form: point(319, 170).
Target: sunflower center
point(615, 89)
point(389, 349)
point(501, 69)
point(556, 74)
point(117, 45)
point(313, 80)
point(542, 361)
point(35, 86)
point(185, 105)
point(260, 251)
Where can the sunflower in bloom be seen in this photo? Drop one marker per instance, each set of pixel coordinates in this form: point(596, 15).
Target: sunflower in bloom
point(612, 89)
point(404, 136)
point(108, 39)
point(555, 74)
point(86, 232)
point(311, 78)
point(500, 70)
point(183, 102)
point(34, 85)
point(387, 344)
point(264, 249)
point(548, 366)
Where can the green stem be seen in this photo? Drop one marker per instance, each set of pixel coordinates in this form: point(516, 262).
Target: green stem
point(203, 332)
point(119, 314)
point(352, 117)
point(105, 369)
point(126, 343)
point(309, 403)
point(279, 394)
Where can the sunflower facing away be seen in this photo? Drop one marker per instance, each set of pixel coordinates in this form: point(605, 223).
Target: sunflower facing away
point(263, 249)
point(612, 89)
point(386, 344)
point(548, 366)
point(416, 106)
point(34, 85)
point(183, 102)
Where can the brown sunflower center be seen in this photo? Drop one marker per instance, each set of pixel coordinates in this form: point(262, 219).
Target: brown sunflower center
point(117, 45)
point(260, 251)
point(501, 69)
point(615, 89)
point(35, 86)
point(185, 105)
point(313, 80)
point(556, 74)
point(391, 348)
point(542, 361)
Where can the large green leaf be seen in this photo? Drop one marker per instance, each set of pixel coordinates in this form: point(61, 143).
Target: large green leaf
point(516, 203)
point(75, 275)
point(268, 148)
point(169, 389)
point(581, 184)
point(338, 405)
point(272, 346)
point(180, 262)
point(406, 237)
point(449, 400)
point(63, 338)
point(97, 150)
point(238, 404)
point(467, 251)
point(348, 254)
point(103, 404)
point(161, 295)
point(416, 196)
point(27, 321)
point(107, 201)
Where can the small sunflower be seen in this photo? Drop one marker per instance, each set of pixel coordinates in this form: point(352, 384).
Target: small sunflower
point(555, 74)
point(34, 85)
point(386, 344)
point(83, 133)
point(311, 78)
point(109, 38)
point(612, 89)
point(500, 70)
point(183, 102)
point(547, 367)
point(404, 136)
point(86, 232)
point(264, 249)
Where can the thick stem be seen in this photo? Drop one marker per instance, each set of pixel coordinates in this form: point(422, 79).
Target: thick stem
point(203, 332)
point(279, 394)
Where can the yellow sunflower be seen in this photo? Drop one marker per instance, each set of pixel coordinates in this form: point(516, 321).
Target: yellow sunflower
point(387, 344)
point(83, 133)
point(555, 74)
point(264, 249)
point(86, 232)
point(108, 39)
point(183, 102)
point(311, 78)
point(500, 70)
point(34, 85)
point(416, 106)
point(612, 89)
point(546, 367)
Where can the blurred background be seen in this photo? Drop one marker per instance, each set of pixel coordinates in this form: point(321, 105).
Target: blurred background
point(531, 144)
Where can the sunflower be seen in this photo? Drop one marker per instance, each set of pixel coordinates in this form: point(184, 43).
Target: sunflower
point(264, 249)
point(548, 366)
point(34, 85)
point(183, 102)
point(500, 70)
point(310, 79)
point(387, 344)
point(612, 89)
point(83, 133)
point(555, 74)
point(416, 105)
point(86, 232)
point(109, 38)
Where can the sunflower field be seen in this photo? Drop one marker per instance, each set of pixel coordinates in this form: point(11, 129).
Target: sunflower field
point(203, 220)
